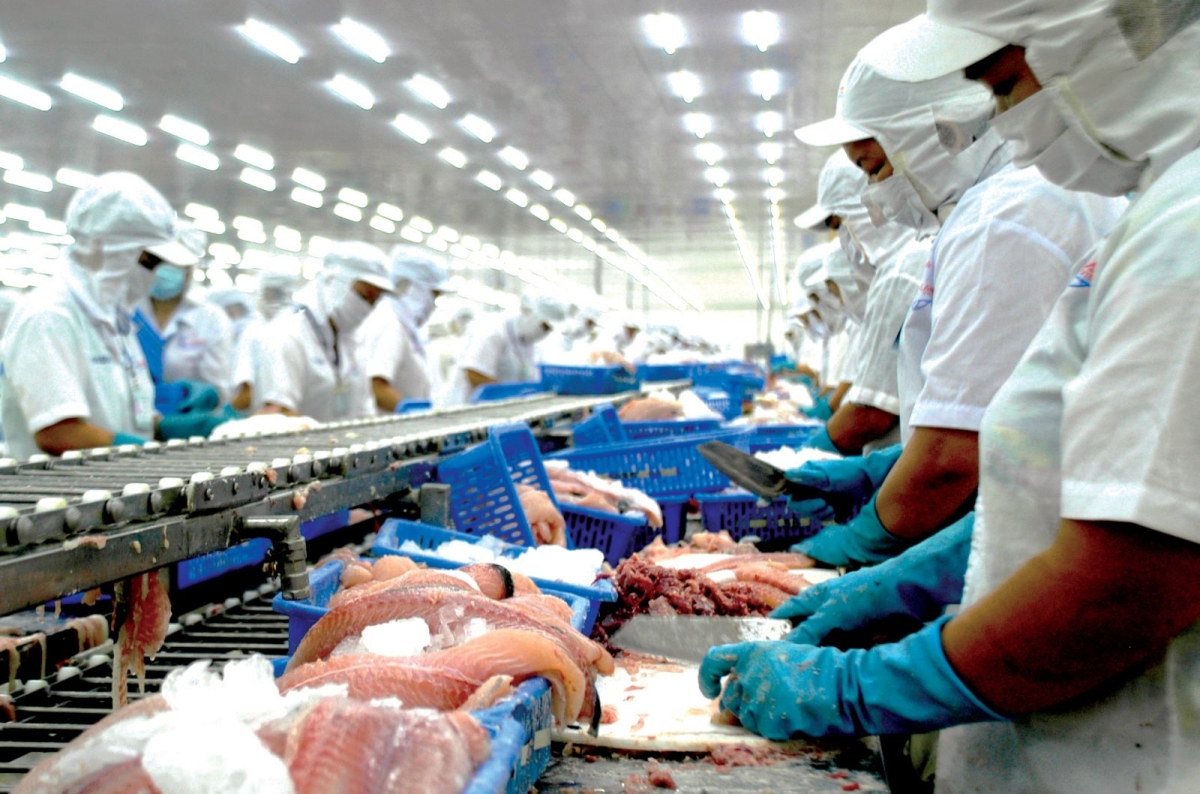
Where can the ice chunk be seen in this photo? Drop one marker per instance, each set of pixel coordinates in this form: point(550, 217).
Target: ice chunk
point(199, 757)
point(407, 637)
point(789, 458)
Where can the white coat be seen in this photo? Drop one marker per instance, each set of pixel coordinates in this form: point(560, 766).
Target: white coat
point(197, 344)
point(493, 349)
point(392, 350)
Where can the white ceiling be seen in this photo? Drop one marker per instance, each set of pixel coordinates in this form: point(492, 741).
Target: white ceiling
point(574, 84)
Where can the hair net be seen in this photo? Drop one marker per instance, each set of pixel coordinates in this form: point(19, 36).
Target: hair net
point(544, 308)
point(193, 239)
point(231, 298)
point(865, 244)
point(810, 261)
point(420, 267)
point(345, 264)
point(275, 291)
point(852, 282)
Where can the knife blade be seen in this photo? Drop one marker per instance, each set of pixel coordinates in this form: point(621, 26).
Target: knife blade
point(768, 482)
point(687, 638)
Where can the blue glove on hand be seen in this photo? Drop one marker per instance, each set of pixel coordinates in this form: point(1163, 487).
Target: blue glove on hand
point(780, 690)
point(820, 410)
point(858, 477)
point(863, 540)
point(188, 425)
point(123, 439)
point(199, 396)
point(919, 583)
point(821, 440)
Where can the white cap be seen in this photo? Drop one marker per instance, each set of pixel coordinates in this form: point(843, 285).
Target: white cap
point(122, 211)
point(813, 219)
point(922, 49)
point(421, 267)
point(230, 297)
point(833, 131)
point(362, 262)
point(546, 308)
point(192, 239)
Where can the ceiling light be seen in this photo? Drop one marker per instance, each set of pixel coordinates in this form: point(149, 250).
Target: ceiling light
point(491, 252)
point(699, 124)
point(514, 157)
point(256, 178)
point(542, 180)
point(210, 225)
point(774, 176)
point(685, 85)
point(517, 197)
point(718, 176)
point(23, 213)
point(11, 162)
point(565, 196)
point(454, 157)
point(559, 225)
point(310, 198)
point(489, 180)
point(666, 31)
point(420, 224)
point(430, 90)
point(771, 152)
point(310, 180)
point(760, 29)
point(584, 212)
point(412, 128)
point(225, 253)
point(366, 41)
point(725, 195)
point(255, 157)
point(390, 211)
point(246, 222)
point(765, 83)
point(121, 130)
point(348, 211)
point(437, 244)
point(412, 235)
point(272, 39)
point(352, 196)
point(575, 235)
point(186, 130)
point(352, 91)
point(92, 91)
point(540, 212)
point(599, 225)
point(26, 95)
point(770, 122)
point(776, 195)
point(710, 153)
point(478, 127)
point(470, 243)
point(256, 236)
point(197, 156)
point(448, 234)
point(72, 178)
point(319, 246)
point(286, 233)
point(383, 225)
point(289, 244)
point(38, 182)
point(459, 251)
point(198, 211)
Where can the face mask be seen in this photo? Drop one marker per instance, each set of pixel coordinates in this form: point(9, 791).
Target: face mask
point(350, 312)
point(137, 286)
point(417, 305)
point(895, 200)
point(529, 329)
point(1048, 133)
point(169, 282)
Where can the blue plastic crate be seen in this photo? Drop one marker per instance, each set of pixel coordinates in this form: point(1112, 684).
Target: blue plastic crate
point(671, 427)
point(660, 372)
point(413, 406)
point(396, 531)
point(483, 497)
point(311, 530)
point(674, 512)
point(740, 384)
point(492, 392)
point(501, 771)
point(604, 426)
point(765, 437)
point(660, 467)
point(719, 401)
point(587, 380)
point(743, 514)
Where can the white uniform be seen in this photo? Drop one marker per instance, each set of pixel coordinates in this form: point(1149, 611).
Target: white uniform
point(392, 350)
point(492, 349)
point(249, 360)
point(64, 358)
point(303, 371)
point(997, 267)
point(197, 344)
point(1099, 422)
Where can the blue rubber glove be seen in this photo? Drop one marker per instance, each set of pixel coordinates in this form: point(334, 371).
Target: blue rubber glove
point(857, 477)
point(863, 540)
point(230, 414)
point(780, 690)
point(188, 425)
point(820, 410)
point(200, 396)
point(122, 439)
point(821, 440)
point(920, 584)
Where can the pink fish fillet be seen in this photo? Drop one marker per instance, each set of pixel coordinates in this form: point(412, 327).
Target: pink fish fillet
point(391, 566)
point(348, 747)
point(765, 574)
point(148, 613)
point(549, 527)
point(415, 578)
point(369, 677)
point(789, 560)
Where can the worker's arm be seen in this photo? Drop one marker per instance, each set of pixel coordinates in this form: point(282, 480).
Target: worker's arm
point(71, 434)
point(386, 397)
point(1101, 601)
point(477, 379)
point(931, 484)
point(854, 426)
point(276, 408)
point(243, 399)
point(839, 393)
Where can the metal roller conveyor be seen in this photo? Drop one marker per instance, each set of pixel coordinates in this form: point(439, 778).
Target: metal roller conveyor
point(88, 518)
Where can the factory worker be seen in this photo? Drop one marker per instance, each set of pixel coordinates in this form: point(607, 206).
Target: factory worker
point(187, 341)
point(446, 332)
point(238, 307)
point(74, 376)
point(575, 341)
point(878, 278)
point(825, 324)
point(501, 350)
point(1073, 662)
point(255, 315)
point(392, 338)
point(626, 333)
point(312, 364)
point(935, 164)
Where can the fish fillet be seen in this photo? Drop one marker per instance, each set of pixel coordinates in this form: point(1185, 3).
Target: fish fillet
point(768, 575)
point(147, 615)
point(370, 677)
point(789, 560)
point(495, 581)
point(415, 578)
point(391, 566)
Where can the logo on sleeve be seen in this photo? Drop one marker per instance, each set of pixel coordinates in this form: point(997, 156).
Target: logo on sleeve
point(1085, 277)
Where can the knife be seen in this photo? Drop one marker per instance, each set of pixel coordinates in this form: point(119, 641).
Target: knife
point(768, 482)
point(688, 638)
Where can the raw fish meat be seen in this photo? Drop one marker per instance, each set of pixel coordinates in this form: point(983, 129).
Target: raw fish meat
point(391, 567)
point(544, 519)
point(370, 677)
point(650, 409)
point(416, 578)
point(789, 560)
point(770, 575)
point(495, 581)
point(147, 615)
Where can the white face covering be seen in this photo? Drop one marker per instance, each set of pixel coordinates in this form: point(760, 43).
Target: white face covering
point(417, 305)
point(896, 200)
point(529, 329)
point(1049, 133)
point(350, 312)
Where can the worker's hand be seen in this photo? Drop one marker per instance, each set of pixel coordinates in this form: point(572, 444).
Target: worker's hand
point(821, 440)
point(198, 396)
point(781, 690)
point(820, 410)
point(863, 540)
point(189, 425)
point(857, 477)
point(918, 584)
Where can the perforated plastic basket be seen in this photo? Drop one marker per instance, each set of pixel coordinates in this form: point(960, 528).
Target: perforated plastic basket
point(739, 383)
point(766, 437)
point(658, 372)
point(669, 466)
point(602, 427)
point(743, 514)
point(412, 406)
point(483, 497)
point(672, 427)
point(587, 380)
point(719, 401)
point(396, 531)
point(492, 392)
